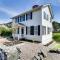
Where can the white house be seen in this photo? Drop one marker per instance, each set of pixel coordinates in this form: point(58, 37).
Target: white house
point(35, 24)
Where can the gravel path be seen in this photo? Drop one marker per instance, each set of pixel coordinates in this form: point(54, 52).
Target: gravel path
point(29, 50)
point(3, 40)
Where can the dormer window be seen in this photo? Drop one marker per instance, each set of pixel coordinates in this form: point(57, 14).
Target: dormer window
point(29, 15)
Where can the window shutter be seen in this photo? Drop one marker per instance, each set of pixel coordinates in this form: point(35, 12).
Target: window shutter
point(32, 30)
point(26, 30)
point(38, 29)
point(18, 31)
point(31, 15)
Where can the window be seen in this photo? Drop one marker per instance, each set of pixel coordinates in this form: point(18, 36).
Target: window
point(32, 30)
point(17, 20)
point(43, 30)
point(29, 15)
point(38, 29)
point(46, 16)
point(18, 31)
point(35, 30)
point(27, 30)
point(50, 19)
point(49, 30)
point(22, 18)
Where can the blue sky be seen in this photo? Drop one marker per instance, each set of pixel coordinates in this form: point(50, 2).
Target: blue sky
point(10, 8)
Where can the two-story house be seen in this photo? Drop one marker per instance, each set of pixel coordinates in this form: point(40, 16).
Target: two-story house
point(35, 24)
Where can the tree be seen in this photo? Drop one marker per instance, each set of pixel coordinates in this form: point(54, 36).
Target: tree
point(5, 32)
point(56, 26)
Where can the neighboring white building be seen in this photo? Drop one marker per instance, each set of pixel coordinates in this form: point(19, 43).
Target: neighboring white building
point(35, 24)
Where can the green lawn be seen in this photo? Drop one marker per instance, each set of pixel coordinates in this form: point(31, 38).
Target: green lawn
point(56, 37)
point(57, 46)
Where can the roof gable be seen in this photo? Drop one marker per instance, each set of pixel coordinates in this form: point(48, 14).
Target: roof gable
point(50, 9)
point(40, 7)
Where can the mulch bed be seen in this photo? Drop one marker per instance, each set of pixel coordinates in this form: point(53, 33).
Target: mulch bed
point(11, 43)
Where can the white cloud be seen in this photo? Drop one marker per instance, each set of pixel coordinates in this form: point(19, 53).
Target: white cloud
point(4, 21)
point(55, 2)
point(7, 11)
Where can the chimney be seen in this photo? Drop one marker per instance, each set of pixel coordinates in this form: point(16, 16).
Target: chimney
point(35, 6)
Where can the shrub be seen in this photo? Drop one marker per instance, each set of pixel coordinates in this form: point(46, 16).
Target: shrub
point(6, 32)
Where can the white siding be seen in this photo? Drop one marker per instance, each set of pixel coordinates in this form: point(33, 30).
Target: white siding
point(48, 37)
point(36, 20)
point(15, 34)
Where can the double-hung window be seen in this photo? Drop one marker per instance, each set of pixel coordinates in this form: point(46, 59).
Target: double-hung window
point(43, 30)
point(22, 18)
point(35, 30)
point(17, 20)
point(29, 15)
point(48, 30)
point(32, 30)
point(46, 17)
point(50, 19)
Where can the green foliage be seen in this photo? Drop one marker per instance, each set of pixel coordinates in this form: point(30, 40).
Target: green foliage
point(56, 26)
point(56, 37)
point(5, 32)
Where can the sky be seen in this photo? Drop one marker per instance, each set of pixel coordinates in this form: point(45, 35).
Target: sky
point(10, 8)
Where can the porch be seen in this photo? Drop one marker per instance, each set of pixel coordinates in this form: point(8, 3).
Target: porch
point(18, 31)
